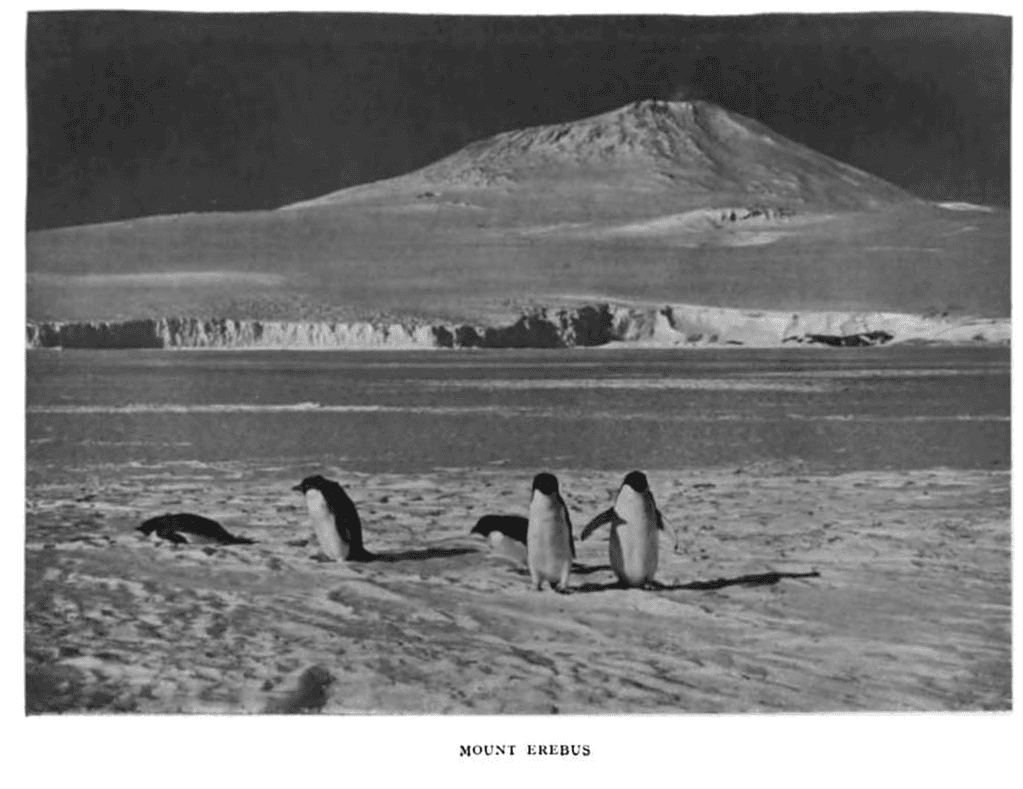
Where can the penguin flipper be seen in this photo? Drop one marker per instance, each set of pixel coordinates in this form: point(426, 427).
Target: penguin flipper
point(660, 526)
point(571, 537)
point(351, 531)
point(353, 536)
point(607, 516)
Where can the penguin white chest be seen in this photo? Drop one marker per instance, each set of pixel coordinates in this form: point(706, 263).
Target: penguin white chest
point(632, 547)
point(548, 540)
point(325, 526)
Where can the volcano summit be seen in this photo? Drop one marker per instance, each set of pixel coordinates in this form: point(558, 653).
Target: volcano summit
point(688, 152)
point(648, 207)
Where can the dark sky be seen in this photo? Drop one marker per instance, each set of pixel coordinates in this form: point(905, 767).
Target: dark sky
point(138, 113)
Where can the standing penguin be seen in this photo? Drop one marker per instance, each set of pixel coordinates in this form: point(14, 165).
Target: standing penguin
point(635, 521)
point(549, 544)
point(334, 518)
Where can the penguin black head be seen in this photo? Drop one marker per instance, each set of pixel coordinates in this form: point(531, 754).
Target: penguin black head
point(637, 481)
point(546, 483)
point(315, 482)
point(513, 526)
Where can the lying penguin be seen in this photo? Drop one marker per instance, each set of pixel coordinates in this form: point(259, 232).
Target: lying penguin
point(635, 523)
point(186, 528)
point(334, 519)
point(506, 535)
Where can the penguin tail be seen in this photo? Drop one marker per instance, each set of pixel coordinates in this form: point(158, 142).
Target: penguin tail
point(242, 541)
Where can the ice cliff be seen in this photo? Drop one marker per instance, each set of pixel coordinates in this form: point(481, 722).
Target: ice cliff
point(541, 327)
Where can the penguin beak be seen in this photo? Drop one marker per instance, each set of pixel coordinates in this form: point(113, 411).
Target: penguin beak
point(297, 487)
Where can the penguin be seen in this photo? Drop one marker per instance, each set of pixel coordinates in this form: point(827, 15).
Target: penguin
point(635, 521)
point(186, 528)
point(550, 546)
point(334, 518)
point(506, 535)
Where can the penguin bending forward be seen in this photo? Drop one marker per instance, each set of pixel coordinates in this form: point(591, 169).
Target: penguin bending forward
point(550, 547)
point(187, 528)
point(334, 518)
point(506, 535)
point(635, 521)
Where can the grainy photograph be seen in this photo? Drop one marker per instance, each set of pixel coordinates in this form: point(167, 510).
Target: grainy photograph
point(447, 364)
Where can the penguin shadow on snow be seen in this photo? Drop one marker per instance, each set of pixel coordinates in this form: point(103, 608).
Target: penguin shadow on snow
point(755, 579)
point(390, 557)
point(417, 555)
point(582, 569)
point(749, 581)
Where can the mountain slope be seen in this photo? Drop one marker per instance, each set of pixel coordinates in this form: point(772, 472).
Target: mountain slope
point(656, 203)
point(685, 150)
